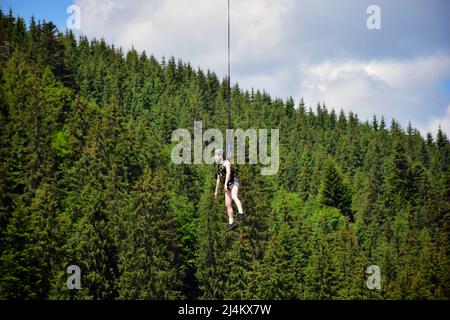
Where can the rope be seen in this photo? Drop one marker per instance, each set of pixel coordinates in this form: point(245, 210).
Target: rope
point(228, 155)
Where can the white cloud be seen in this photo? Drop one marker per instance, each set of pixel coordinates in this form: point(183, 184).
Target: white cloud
point(195, 31)
point(293, 48)
point(274, 82)
point(436, 122)
point(403, 89)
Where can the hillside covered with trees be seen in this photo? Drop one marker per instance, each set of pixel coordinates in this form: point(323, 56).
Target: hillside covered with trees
point(86, 179)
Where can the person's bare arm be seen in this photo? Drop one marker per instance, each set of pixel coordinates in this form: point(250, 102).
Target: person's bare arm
point(227, 178)
point(217, 186)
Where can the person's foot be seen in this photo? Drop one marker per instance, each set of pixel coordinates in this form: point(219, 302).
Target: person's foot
point(240, 216)
point(230, 227)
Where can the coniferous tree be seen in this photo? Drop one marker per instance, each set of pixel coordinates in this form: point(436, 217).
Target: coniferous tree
point(333, 191)
point(86, 179)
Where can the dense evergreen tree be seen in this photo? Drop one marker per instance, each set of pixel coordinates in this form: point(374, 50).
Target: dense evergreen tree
point(86, 179)
point(333, 191)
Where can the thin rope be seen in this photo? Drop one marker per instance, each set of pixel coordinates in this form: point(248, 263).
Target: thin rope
point(229, 82)
point(229, 70)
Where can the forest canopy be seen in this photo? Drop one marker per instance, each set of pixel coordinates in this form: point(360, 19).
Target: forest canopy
point(86, 179)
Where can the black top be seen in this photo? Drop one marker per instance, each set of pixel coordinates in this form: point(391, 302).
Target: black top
point(221, 171)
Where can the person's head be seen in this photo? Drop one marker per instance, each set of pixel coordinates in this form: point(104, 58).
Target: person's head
point(218, 156)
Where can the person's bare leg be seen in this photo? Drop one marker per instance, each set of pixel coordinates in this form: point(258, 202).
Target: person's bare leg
point(234, 196)
point(228, 204)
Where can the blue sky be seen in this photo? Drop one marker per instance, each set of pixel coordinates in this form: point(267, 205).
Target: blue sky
point(49, 10)
point(320, 50)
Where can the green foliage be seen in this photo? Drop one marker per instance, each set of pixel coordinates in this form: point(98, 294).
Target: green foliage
point(60, 143)
point(86, 179)
point(333, 192)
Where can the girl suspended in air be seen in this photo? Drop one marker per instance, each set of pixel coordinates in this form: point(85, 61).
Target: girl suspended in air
point(227, 176)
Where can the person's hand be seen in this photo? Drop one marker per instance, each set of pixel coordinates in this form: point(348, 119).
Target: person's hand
point(225, 188)
point(215, 195)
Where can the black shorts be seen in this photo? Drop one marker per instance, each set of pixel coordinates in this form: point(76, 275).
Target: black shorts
point(234, 182)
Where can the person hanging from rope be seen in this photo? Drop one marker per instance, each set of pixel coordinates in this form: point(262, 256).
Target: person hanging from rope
point(227, 176)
